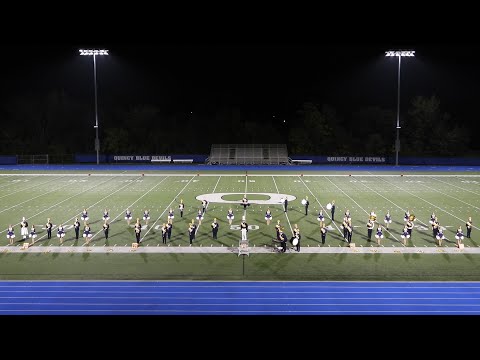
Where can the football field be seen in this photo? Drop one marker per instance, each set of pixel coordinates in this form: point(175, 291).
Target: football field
point(62, 196)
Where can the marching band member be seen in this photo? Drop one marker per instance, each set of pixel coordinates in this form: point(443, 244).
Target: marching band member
point(278, 229)
point(295, 240)
point(432, 218)
point(283, 241)
point(409, 226)
point(61, 233)
point(146, 216)
point(347, 215)
point(370, 225)
point(350, 232)
point(215, 227)
point(169, 229)
point(49, 227)
point(344, 226)
point(440, 236)
point(321, 218)
point(406, 217)
point(332, 210)
point(76, 226)
point(105, 215)
point(33, 233)
point(388, 219)
point(459, 236)
point(306, 203)
point(164, 233)
point(245, 202)
point(191, 231)
point(24, 228)
point(296, 231)
point(10, 234)
point(106, 227)
point(128, 216)
point(379, 234)
point(405, 235)
point(435, 224)
point(171, 215)
point(138, 232)
point(373, 216)
point(86, 233)
point(181, 207)
point(244, 229)
point(268, 216)
point(204, 206)
point(469, 226)
point(230, 216)
point(200, 217)
point(323, 232)
point(84, 216)
point(285, 204)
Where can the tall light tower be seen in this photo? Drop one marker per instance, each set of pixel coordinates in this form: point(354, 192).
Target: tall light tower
point(399, 54)
point(94, 53)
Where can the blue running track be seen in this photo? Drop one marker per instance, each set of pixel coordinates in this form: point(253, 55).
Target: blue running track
point(238, 298)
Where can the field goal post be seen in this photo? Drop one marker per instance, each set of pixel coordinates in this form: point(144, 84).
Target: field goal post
point(33, 159)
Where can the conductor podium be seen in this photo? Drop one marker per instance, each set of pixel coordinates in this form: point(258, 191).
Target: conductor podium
point(243, 248)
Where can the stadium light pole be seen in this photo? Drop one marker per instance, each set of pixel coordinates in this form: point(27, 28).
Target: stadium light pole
point(94, 53)
point(399, 54)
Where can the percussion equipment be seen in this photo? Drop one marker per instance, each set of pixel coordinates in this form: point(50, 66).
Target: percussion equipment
point(329, 206)
point(411, 217)
point(304, 201)
point(295, 241)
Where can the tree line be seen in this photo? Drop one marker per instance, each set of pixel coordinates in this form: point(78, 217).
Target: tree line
point(56, 123)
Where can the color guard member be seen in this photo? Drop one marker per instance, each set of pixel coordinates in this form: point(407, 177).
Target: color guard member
point(10, 234)
point(268, 216)
point(128, 216)
point(230, 216)
point(146, 216)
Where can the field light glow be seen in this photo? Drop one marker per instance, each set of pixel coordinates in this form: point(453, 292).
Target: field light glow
point(91, 52)
point(400, 53)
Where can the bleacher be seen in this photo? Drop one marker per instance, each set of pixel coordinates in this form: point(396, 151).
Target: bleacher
point(248, 154)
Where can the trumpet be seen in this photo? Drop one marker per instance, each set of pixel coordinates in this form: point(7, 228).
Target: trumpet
point(411, 217)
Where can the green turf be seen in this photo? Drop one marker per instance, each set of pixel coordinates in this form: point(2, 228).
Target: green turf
point(63, 196)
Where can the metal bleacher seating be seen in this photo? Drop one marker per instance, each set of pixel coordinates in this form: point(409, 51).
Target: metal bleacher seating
point(248, 154)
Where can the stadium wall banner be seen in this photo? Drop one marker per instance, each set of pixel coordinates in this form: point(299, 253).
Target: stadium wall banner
point(8, 160)
point(344, 159)
point(139, 158)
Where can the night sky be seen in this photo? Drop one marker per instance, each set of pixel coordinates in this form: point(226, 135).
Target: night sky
point(270, 77)
point(263, 79)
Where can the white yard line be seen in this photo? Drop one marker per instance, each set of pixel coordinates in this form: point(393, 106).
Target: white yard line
point(361, 208)
point(43, 236)
point(26, 201)
point(278, 192)
point(326, 212)
point(41, 212)
point(124, 210)
point(168, 207)
point(459, 187)
point(428, 202)
point(196, 230)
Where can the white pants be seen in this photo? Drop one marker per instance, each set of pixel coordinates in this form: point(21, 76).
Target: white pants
point(244, 234)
